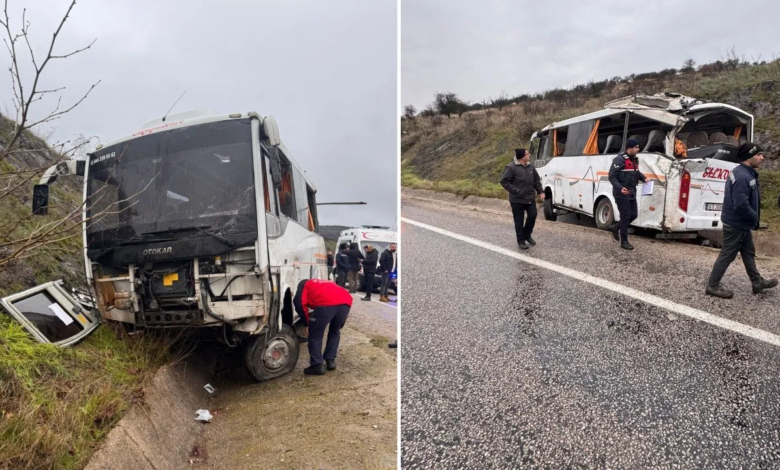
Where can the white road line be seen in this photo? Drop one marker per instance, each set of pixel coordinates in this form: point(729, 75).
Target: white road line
point(651, 299)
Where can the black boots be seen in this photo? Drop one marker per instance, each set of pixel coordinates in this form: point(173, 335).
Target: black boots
point(368, 299)
point(315, 370)
point(626, 246)
point(530, 241)
point(764, 284)
point(331, 364)
point(720, 291)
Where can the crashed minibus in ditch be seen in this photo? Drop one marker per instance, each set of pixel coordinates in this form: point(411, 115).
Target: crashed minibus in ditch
point(201, 220)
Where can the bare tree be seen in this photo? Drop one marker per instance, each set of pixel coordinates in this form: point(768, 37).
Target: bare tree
point(689, 66)
point(20, 235)
point(410, 111)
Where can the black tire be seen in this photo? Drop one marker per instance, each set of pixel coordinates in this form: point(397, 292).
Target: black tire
point(549, 212)
point(604, 214)
point(260, 354)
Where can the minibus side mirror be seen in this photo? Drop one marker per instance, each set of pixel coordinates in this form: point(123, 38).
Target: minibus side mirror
point(40, 200)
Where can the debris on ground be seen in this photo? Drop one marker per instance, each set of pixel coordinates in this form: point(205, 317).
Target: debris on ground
point(203, 415)
point(209, 388)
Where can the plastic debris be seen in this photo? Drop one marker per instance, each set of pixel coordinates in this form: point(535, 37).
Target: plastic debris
point(203, 415)
point(209, 388)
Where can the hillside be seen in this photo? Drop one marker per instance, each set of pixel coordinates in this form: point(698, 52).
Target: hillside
point(56, 405)
point(465, 154)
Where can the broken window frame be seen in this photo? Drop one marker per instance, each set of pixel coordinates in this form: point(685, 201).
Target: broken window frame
point(65, 300)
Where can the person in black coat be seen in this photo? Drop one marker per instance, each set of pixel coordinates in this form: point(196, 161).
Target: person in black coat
point(387, 265)
point(355, 256)
point(624, 175)
point(369, 270)
point(330, 264)
point(741, 214)
point(522, 182)
point(342, 265)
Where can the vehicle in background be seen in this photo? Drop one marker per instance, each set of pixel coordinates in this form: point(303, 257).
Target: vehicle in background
point(201, 219)
point(378, 237)
point(688, 148)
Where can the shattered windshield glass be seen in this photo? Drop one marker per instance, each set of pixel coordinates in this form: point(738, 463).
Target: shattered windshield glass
point(199, 175)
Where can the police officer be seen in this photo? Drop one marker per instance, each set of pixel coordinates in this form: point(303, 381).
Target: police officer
point(624, 176)
point(741, 214)
point(320, 304)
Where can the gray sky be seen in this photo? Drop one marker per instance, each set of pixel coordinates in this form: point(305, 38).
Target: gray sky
point(479, 49)
point(325, 69)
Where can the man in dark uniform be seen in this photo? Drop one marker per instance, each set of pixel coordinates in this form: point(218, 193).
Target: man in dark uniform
point(342, 265)
point(321, 303)
point(370, 263)
point(522, 182)
point(624, 175)
point(741, 214)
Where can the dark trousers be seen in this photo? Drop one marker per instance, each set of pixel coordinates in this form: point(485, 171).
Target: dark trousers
point(341, 277)
point(353, 281)
point(735, 241)
point(385, 284)
point(369, 283)
point(320, 318)
point(628, 214)
point(330, 272)
point(523, 231)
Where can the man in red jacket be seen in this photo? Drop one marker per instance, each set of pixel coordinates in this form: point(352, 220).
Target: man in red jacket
point(321, 303)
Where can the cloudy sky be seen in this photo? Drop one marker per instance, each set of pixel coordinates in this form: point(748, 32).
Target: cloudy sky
point(325, 69)
point(479, 49)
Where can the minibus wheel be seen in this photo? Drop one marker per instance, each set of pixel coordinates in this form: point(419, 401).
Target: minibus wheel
point(270, 356)
point(549, 211)
point(604, 214)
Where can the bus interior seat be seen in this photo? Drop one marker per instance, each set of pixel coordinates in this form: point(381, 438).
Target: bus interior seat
point(614, 144)
point(655, 142)
point(639, 138)
point(683, 136)
point(742, 140)
point(602, 142)
point(717, 138)
point(698, 139)
point(561, 148)
point(732, 140)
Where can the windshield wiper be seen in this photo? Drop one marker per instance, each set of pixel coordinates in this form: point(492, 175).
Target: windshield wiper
point(199, 228)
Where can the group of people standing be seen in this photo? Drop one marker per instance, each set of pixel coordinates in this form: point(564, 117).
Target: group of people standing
point(349, 261)
point(740, 214)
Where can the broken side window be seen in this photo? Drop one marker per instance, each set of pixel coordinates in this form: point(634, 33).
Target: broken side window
point(51, 315)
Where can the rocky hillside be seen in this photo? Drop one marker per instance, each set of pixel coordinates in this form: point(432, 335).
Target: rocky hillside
point(466, 153)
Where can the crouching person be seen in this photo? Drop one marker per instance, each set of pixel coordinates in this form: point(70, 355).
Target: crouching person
point(319, 304)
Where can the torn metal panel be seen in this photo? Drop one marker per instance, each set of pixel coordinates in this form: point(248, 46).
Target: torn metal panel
point(51, 314)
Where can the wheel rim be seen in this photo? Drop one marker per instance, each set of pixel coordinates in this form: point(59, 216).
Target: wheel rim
point(276, 354)
point(604, 214)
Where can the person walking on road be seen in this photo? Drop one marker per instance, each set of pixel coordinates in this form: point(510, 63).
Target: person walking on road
point(320, 304)
point(330, 264)
point(355, 256)
point(522, 182)
point(369, 270)
point(342, 266)
point(741, 214)
point(624, 176)
point(387, 266)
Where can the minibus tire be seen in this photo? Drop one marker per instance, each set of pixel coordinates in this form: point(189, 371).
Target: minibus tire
point(263, 368)
point(549, 212)
point(603, 205)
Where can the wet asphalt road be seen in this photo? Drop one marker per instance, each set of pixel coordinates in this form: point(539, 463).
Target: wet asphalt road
point(505, 364)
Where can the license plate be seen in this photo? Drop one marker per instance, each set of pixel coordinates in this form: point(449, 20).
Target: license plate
point(711, 206)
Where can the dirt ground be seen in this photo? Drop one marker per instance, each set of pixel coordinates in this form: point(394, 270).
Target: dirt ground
point(345, 419)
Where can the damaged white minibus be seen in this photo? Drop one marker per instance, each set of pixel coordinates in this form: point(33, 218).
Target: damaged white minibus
point(688, 149)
